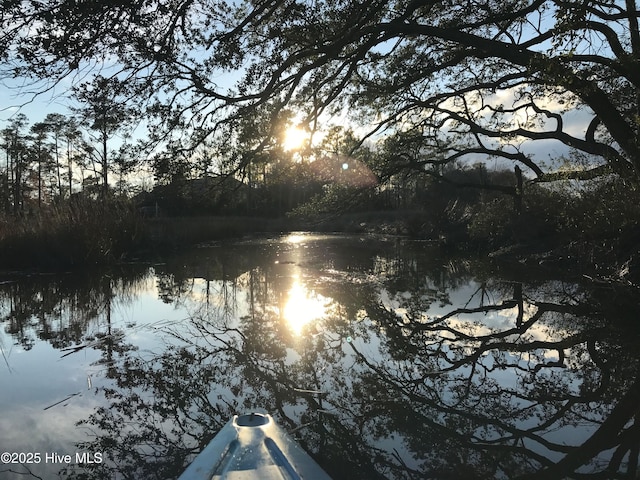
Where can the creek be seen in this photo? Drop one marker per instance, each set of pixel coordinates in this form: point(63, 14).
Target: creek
point(384, 357)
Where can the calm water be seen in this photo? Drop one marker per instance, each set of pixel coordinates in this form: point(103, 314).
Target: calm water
point(426, 367)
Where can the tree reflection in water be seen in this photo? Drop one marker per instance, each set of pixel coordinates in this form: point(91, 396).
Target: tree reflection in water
point(410, 373)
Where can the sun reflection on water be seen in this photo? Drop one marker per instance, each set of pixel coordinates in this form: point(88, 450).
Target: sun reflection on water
point(303, 307)
point(295, 238)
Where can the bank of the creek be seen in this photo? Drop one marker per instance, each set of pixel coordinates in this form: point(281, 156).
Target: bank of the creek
point(431, 364)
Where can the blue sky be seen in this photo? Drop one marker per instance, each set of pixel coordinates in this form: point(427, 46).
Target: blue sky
point(15, 98)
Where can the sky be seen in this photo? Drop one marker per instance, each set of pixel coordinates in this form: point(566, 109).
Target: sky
point(35, 107)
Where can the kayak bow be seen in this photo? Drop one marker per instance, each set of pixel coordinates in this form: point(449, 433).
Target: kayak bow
point(253, 447)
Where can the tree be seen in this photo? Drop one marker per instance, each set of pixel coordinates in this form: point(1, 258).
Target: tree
point(17, 158)
point(73, 137)
point(57, 124)
point(105, 114)
point(42, 155)
point(7, 174)
point(473, 79)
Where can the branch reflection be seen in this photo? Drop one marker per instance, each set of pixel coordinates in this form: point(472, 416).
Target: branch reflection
point(406, 367)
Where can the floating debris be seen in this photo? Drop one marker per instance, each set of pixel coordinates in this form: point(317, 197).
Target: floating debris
point(62, 401)
point(314, 392)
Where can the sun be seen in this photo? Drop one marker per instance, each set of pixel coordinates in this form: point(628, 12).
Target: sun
point(294, 138)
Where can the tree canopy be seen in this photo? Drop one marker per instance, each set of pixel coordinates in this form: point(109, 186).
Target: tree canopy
point(476, 79)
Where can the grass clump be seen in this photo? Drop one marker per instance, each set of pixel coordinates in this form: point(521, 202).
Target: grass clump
point(70, 234)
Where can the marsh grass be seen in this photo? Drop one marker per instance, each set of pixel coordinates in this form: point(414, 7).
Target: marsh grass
point(89, 232)
point(73, 234)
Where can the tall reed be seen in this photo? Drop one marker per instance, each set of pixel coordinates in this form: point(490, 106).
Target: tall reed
point(74, 233)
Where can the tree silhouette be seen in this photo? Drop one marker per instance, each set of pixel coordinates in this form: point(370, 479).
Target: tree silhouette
point(472, 81)
point(43, 157)
point(104, 112)
point(17, 162)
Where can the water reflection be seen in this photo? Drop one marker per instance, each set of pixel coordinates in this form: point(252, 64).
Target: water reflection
point(399, 364)
point(303, 307)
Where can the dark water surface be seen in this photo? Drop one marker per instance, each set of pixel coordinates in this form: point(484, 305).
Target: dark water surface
point(427, 367)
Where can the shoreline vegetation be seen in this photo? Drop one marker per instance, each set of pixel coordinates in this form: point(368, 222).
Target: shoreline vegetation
point(512, 150)
point(592, 236)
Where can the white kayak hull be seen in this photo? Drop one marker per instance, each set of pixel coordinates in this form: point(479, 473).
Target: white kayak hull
point(253, 447)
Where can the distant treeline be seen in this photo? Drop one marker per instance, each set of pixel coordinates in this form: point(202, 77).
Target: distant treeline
point(57, 210)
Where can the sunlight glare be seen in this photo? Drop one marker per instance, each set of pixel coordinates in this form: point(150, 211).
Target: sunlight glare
point(294, 138)
point(295, 238)
point(302, 308)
